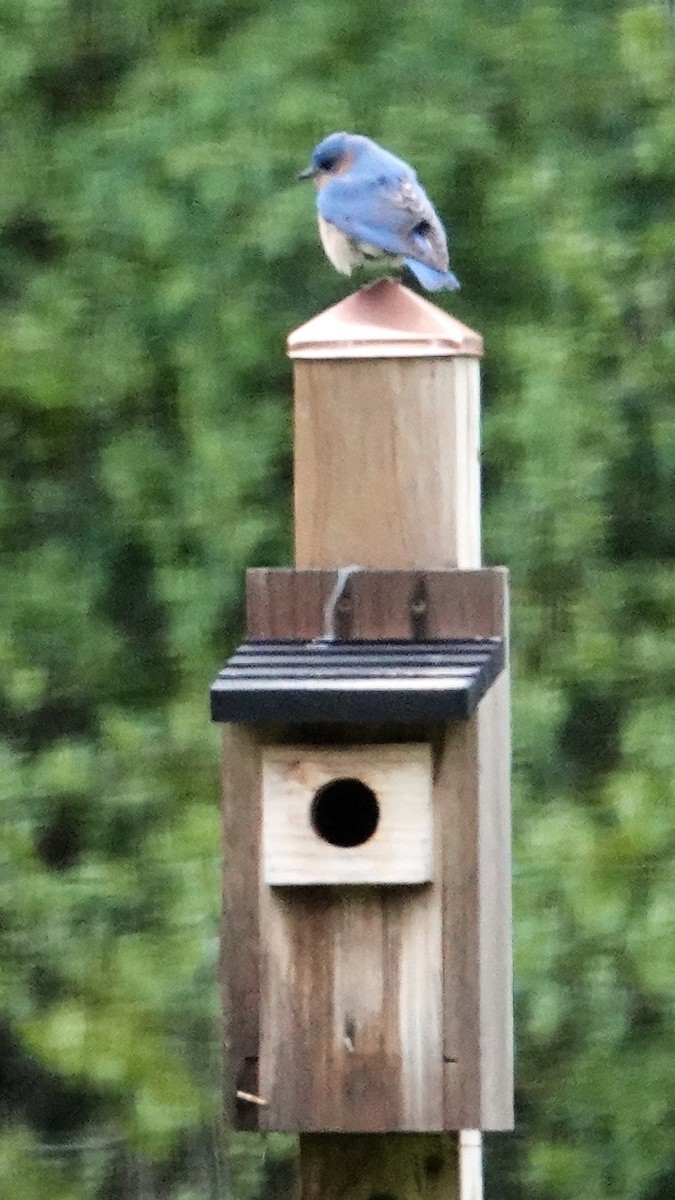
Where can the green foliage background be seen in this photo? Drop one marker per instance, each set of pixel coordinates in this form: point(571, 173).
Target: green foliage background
point(154, 252)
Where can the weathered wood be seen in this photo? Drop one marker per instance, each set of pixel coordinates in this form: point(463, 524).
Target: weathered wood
point(387, 462)
point(472, 772)
point(378, 603)
point(471, 822)
point(456, 784)
point(397, 850)
point(240, 932)
point(494, 756)
point(472, 769)
point(349, 1040)
point(473, 776)
point(386, 476)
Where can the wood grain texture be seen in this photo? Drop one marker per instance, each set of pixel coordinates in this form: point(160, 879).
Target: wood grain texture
point(488, 765)
point(456, 784)
point(377, 603)
point(240, 934)
point(471, 913)
point(387, 463)
point(351, 1008)
point(351, 1004)
point(495, 964)
point(400, 847)
point(386, 476)
point(474, 776)
point(462, 925)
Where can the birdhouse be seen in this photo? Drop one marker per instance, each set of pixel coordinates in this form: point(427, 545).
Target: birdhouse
point(367, 877)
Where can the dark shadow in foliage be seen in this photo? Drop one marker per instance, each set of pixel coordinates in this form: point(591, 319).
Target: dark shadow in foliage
point(57, 444)
point(646, 1019)
point(589, 738)
point(131, 605)
point(27, 243)
point(641, 495)
point(58, 717)
point(505, 1155)
point(32, 237)
point(41, 441)
point(30, 1093)
point(67, 90)
point(195, 1166)
point(61, 839)
point(156, 407)
point(664, 1187)
point(46, 986)
point(279, 1182)
point(645, 199)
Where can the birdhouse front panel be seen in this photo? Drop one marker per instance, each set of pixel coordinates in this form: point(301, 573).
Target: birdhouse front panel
point(351, 1008)
point(347, 815)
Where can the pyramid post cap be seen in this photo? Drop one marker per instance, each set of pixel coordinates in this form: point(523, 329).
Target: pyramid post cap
point(384, 320)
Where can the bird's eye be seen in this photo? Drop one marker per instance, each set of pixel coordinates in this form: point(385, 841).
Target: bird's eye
point(327, 162)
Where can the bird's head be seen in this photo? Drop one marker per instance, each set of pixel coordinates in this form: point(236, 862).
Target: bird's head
point(332, 156)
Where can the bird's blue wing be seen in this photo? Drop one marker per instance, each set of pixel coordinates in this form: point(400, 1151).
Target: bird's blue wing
point(394, 214)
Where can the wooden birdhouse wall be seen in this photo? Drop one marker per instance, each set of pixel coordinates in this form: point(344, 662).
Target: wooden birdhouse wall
point(369, 1006)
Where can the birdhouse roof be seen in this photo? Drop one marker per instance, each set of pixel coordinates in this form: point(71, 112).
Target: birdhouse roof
point(374, 681)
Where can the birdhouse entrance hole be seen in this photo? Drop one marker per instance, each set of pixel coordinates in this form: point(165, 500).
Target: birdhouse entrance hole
point(345, 812)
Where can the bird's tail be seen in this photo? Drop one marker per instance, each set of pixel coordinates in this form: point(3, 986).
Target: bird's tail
point(430, 279)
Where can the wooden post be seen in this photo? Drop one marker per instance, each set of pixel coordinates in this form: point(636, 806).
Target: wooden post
point(386, 435)
point(366, 983)
point(387, 475)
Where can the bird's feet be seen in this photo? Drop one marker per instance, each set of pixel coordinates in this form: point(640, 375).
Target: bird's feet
point(380, 279)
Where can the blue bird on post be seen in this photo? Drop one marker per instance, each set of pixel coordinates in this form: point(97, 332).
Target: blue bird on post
point(372, 207)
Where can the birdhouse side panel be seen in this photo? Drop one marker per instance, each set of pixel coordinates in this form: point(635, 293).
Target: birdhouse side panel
point(495, 965)
point(240, 931)
point(456, 786)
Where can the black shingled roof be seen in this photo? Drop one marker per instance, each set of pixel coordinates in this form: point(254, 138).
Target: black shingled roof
point(371, 681)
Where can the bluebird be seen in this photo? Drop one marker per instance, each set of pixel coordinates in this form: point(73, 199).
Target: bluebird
point(371, 206)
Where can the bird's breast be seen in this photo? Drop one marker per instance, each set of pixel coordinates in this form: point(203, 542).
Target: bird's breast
point(340, 249)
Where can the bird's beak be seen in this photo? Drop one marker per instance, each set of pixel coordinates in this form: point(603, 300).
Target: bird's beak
point(308, 173)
